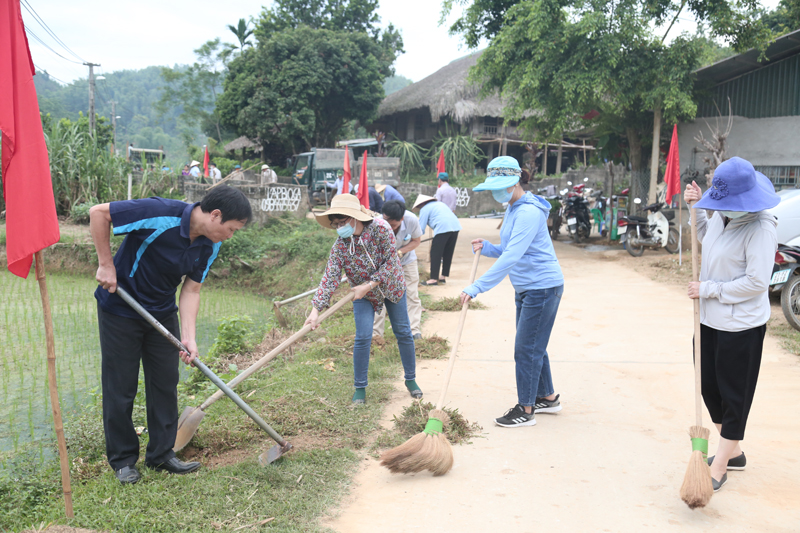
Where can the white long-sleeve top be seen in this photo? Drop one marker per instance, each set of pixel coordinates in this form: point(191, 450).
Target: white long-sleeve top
point(736, 269)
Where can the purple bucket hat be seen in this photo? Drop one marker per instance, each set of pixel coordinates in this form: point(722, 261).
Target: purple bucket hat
point(737, 186)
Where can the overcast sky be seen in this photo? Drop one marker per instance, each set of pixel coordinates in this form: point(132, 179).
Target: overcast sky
point(132, 35)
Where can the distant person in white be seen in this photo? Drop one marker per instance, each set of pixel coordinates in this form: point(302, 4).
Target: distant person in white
point(268, 175)
point(214, 173)
point(446, 194)
point(194, 170)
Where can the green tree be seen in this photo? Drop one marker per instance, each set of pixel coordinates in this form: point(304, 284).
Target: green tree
point(784, 18)
point(302, 86)
point(195, 89)
point(566, 57)
point(242, 32)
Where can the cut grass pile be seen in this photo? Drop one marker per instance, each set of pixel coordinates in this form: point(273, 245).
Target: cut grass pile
point(450, 304)
point(413, 419)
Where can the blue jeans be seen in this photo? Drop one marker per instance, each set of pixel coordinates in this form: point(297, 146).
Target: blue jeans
point(365, 317)
point(536, 313)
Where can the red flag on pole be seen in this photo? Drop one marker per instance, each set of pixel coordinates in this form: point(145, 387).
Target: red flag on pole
point(440, 163)
point(363, 186)
point(31, 222)
point(205, 162)
point(347, 174)
point(672, 177)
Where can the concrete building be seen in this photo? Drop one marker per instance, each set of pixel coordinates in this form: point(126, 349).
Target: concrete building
point(765, 108)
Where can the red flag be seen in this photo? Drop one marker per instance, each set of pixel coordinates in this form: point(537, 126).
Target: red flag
point(440, 164)
point(363, 186)
point(672, 177)
point(347, 173)
point(205, 162)
point(31, 222)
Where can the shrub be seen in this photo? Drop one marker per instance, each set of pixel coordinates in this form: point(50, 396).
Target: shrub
point(80, 212)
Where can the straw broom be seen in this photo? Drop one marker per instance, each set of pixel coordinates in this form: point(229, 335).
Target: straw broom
point(430, 449)
point(697, 490)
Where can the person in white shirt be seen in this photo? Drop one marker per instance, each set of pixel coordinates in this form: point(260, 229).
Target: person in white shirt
point(268, 175)
point(194, 170)
point(445, 193)
point(213, 172)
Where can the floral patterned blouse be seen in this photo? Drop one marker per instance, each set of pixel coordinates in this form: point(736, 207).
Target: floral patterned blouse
point(369, 257)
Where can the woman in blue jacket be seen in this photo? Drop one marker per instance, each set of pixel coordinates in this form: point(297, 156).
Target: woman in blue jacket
point(527, 256)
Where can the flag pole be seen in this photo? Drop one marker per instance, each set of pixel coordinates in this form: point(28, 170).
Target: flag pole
point(41, 277)
point(680, 231)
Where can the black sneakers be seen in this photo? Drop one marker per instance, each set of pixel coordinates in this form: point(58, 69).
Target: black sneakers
point(547, 406)
point(516, 417)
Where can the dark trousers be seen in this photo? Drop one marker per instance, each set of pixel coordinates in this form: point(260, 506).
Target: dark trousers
point(730, 365)
point(123, 343)
point(442, 248)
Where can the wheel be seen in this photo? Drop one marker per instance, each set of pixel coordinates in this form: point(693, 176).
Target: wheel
point(635, 251)
point(554, 231)
point(673, 242)
point(576, 238)
point(790, 302)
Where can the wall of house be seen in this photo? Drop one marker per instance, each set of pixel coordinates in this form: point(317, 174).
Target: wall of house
point(469, 203)
point(266, 201)
point(762, 141)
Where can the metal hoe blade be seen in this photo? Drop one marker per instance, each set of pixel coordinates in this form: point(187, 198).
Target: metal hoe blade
point(273, 454)
point(187, 426)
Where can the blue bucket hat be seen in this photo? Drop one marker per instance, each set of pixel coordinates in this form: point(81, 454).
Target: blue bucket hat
point(737, 186)
point(443, 176)
point(501, 173)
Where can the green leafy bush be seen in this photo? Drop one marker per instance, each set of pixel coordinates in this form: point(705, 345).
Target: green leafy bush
point(233, 335)
point(80, 212)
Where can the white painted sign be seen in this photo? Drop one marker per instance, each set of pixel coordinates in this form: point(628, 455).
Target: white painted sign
point(281, 199)
point(462, 197)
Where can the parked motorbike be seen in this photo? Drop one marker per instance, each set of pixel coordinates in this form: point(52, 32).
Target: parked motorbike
point(554, 219)
point(576, 212)
point(655, 231)
point(786, 280)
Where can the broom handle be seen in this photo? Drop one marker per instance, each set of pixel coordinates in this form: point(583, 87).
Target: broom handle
point(452, 361)
point(698, 409)
point(276, 351)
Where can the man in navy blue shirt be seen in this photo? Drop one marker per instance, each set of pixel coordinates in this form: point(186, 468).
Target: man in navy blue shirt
point(165, 241)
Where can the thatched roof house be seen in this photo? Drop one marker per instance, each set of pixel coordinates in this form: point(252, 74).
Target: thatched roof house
point(242, 143)
point(447, 101)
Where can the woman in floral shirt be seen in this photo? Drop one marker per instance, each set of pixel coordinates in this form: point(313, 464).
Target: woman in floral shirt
point(365, 252)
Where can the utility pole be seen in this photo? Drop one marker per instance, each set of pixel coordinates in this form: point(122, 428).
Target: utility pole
point(114, 125)
point(91, 96)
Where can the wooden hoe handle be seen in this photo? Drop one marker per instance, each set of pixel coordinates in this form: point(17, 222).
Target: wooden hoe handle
point(452, 360)
point(698, 402)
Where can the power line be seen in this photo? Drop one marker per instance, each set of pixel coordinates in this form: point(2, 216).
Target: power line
point(48, 47)
point(44, 25)
point(49, 75)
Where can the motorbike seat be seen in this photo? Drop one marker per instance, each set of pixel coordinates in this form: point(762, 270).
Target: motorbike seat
point(670, 215)
point(634, 218)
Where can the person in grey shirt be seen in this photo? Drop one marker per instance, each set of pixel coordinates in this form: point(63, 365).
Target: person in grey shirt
point(446, 194)
point(739, 245)
point(407, 234)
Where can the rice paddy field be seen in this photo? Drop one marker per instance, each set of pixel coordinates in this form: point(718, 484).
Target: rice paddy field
point(26, 422)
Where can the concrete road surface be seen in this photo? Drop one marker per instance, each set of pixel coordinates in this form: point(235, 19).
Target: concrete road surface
point(614, 458)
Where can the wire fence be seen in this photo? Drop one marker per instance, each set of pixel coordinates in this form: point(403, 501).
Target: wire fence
point(26, 424)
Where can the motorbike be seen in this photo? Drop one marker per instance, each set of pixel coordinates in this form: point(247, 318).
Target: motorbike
point(576, 211)
point(655, 231)
point(786, 280)
point(554, 219)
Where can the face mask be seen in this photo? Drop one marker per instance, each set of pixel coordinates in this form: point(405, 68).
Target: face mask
point(345, 231)
point(733, 214)
point(502, 195)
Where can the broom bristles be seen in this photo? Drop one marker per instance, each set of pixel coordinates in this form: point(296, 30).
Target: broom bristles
point(697, 489)
point(427, 450)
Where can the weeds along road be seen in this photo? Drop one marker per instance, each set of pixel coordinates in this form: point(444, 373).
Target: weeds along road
point(615, 457)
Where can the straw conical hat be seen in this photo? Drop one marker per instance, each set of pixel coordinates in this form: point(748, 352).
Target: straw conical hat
point(422, 199)
point(346, 205)
point(380, 188)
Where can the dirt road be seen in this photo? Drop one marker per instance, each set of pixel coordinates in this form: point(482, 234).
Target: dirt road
point(614, 458)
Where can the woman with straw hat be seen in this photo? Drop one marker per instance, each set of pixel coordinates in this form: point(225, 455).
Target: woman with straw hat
point(365, 252)
point(527, 257)
point(739, 245)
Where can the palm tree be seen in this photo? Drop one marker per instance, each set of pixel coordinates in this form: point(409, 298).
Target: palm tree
point(242, 33)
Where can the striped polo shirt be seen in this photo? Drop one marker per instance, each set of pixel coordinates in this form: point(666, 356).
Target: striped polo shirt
point(155, 255)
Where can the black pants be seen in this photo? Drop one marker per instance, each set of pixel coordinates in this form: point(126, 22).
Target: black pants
point(731, 361)
point(442, 248)
point(123, 343)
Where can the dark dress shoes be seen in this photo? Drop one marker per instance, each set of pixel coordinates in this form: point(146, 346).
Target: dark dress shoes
point(175, 466)
point(128, 475)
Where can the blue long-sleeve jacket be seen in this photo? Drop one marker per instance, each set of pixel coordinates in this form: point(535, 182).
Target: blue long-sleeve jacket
point(526, 253)
point(439, 217)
